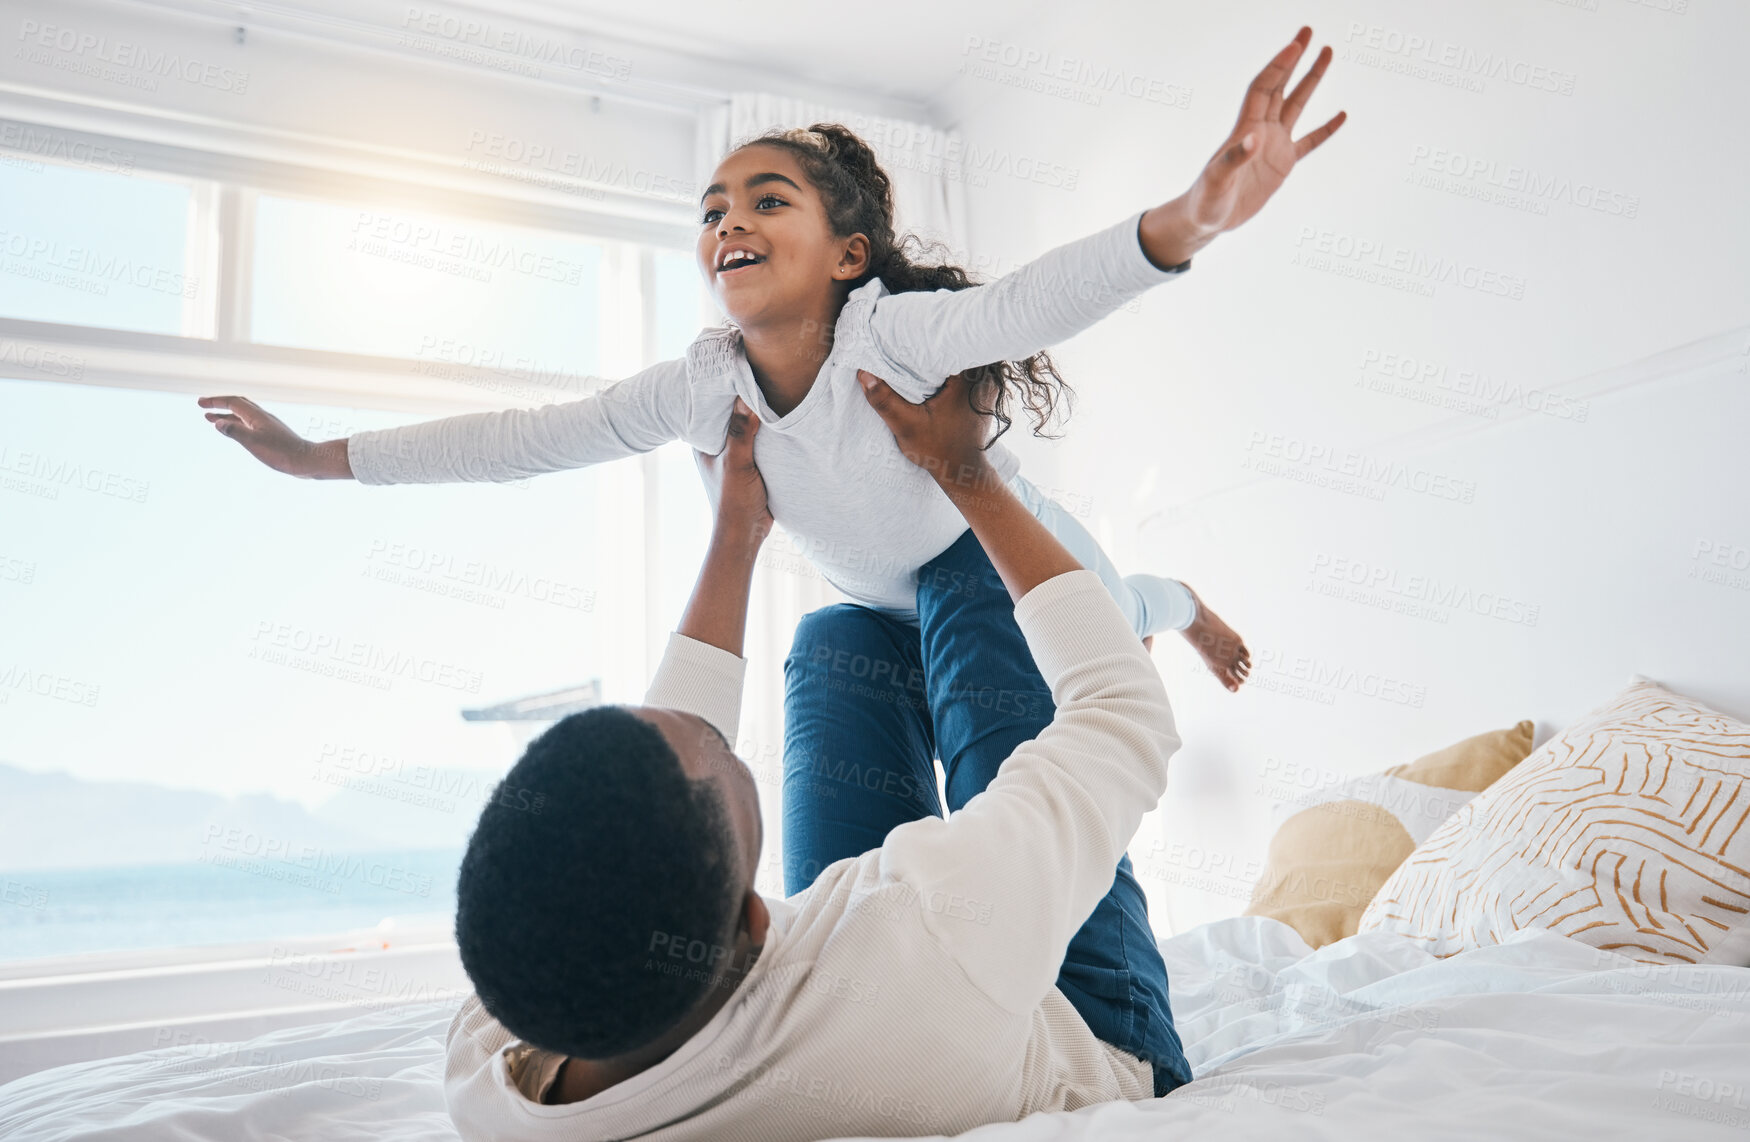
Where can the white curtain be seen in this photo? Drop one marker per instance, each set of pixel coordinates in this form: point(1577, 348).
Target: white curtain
point(927, 202)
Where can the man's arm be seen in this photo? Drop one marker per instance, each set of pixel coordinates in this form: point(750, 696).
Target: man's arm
point(702, 669)
point(942, 436)
point(701, 673)
point(1005, 882)
point(717, 611)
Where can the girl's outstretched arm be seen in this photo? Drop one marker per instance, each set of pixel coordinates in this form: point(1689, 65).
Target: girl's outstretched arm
point(635, 415)
point(919, 338)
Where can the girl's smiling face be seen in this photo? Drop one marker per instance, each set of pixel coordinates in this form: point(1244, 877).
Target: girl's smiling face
point(761, 206)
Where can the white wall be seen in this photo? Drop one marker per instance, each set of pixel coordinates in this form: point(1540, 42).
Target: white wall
point(1605, 525)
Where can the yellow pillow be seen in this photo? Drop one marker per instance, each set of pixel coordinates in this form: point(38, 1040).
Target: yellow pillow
point(1627, 831)
point(1326, 862)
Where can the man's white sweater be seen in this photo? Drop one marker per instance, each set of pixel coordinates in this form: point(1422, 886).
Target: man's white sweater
point(909, 990)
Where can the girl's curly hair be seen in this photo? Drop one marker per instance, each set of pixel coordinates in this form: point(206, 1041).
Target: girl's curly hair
point(859, 200)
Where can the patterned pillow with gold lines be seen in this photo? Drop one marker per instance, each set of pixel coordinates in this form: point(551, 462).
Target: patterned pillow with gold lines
point(1628, 831)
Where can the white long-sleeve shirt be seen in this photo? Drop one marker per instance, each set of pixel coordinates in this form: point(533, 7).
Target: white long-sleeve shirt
point(835, 479)
point(910, 990)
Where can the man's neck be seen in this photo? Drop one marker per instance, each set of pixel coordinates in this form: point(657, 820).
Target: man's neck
point(579, 1079)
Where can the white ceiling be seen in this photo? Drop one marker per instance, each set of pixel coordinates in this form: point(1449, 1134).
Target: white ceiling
point(901, 50)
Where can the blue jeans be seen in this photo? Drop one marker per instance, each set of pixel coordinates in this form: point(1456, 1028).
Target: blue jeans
point(871, 701)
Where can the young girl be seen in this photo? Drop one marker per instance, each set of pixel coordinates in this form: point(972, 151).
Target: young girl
point(797, 244)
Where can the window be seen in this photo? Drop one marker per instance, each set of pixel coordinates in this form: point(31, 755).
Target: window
point(683, 515)
point(360, 280)
point(231, 703)
point(276, 667)
point(95, 247)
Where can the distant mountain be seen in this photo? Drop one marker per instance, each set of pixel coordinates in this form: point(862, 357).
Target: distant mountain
point(55, 820)
point(425, 807)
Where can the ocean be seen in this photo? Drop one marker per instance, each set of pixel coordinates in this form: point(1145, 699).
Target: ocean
point(71, 911)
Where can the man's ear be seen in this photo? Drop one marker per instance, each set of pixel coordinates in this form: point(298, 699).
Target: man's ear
point(756, 919)
point(854, 258)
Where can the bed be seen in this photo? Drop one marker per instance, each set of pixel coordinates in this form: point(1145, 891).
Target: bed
point(1538, 1037)
point(1537, 943)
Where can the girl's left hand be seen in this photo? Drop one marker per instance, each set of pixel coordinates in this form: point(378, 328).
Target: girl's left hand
point(1259, 153)
point(733, 482)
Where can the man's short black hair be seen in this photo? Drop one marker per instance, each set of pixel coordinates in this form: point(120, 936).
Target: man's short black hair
point(594, 857)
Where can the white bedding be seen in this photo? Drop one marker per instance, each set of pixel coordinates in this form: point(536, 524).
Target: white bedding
point(1367, 1038)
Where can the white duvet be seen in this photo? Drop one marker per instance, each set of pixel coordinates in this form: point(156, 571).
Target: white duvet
point(1367, 1038)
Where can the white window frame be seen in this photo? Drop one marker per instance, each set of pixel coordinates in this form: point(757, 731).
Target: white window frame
point(215, 344)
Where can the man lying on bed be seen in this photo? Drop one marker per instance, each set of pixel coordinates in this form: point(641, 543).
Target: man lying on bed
point(965, 970)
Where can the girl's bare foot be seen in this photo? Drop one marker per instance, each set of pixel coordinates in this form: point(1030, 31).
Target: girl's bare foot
point(1223, 651)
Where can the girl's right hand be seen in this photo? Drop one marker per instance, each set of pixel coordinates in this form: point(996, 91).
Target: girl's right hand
point(270, 440)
